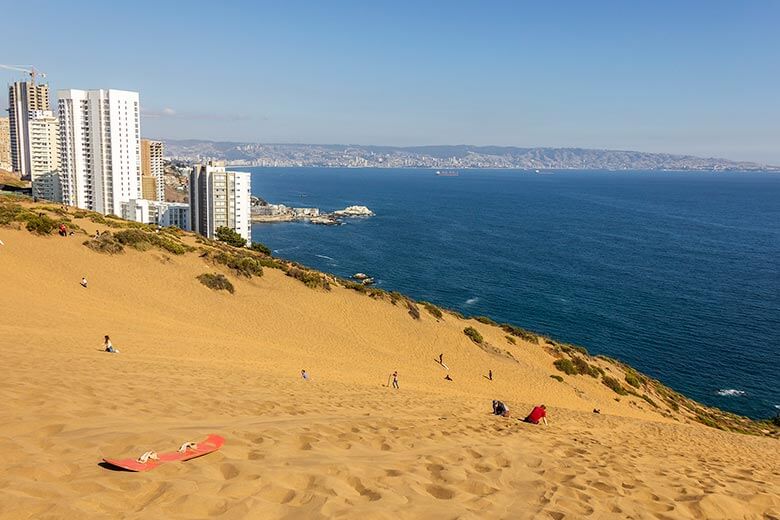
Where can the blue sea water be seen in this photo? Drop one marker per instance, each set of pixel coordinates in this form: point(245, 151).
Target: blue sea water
point(677, 274)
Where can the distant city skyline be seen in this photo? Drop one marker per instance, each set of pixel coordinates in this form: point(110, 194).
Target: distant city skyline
point(696, 78)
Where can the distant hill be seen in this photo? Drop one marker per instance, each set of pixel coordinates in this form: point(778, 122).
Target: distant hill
point(445, 156)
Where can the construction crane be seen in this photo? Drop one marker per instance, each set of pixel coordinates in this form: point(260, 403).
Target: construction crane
point(21, 68)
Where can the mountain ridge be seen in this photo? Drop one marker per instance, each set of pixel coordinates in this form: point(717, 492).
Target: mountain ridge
point(444, 156)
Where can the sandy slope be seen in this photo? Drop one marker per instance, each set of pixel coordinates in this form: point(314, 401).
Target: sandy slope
point(194, 361)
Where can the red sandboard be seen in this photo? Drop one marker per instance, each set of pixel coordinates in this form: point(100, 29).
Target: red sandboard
point(212, 443)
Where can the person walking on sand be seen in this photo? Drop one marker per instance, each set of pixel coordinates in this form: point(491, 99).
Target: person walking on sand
point(108, 346)
point(539, 413)
point(441, 359)
point(490, 375)
point(395, 380)
point(84, 282)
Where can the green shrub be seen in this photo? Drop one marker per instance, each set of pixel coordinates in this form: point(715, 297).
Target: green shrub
point(583, 367)
point(395, 297)
point(40, 224)
point(414, 311)
point(105, 244)
point(260, 248)
point(10, 213)
point(311, 279)
point(433, 310)
point(217, 282)
point(229, 237)
point(485, 320)
point(242, 264)
point(511, 340)
point(519, 332)
point(674, 406)
point(614, 384)
point(473, 334)
point(143, 240)
point(457, 314)
point(566, 366)
point(632, 380)
point(557, 378)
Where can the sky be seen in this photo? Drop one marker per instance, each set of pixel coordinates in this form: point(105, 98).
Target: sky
point(691, 77)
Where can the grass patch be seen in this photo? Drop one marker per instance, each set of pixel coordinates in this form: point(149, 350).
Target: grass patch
point(433, 310)
point(217, 282)
point(566, 366)
point(485, 320)
point(557, 378)
point(511, 340)
point(474, 335)
point(614, 384)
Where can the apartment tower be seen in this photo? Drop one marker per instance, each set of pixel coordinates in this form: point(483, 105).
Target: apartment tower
point(24, 98)
point(220, 198)
point(152, 182)
point(100, 149)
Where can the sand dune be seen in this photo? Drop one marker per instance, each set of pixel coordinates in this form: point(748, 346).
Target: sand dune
point(195, 361)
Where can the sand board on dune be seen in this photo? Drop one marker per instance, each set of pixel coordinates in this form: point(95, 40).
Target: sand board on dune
point(211, 444)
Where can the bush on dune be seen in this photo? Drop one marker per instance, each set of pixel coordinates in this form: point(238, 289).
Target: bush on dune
point(229, 237)
point(485, 320)
point(614, 384)
point(565, 366)
point(414, 311)
point(217, 282)
point(310, 279)
point(260, 248)
point(474, 335)
point(519, 332)
point(106, 243)
point(40, 224)
point(433, 310)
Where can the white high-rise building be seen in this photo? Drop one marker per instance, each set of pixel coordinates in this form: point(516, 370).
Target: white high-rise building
point(220, 198)
point(100, 153)
point(158, 213)
point(42, 154)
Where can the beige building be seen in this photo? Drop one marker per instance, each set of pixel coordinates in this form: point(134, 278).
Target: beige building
point(148, 188)
point(24, 99)
point(152, 169)
point(5, 144)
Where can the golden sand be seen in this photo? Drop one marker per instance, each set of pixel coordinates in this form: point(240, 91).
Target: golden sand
point(194, 361)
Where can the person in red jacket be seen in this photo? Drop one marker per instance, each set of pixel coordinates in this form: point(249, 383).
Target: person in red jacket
point(539, 413)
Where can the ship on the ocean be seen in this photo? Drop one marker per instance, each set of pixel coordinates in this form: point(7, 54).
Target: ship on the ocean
point(446, 173)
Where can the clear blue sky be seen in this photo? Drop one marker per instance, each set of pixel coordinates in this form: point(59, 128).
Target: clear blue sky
point(699, 77)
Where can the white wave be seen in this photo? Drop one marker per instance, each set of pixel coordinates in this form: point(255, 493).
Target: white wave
point(472, 301)
point(731, 392)
point(324, 256)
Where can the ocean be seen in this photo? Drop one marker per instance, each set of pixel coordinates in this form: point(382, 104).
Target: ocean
point(677, 274)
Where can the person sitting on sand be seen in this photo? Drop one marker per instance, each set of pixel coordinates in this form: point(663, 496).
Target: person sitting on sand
point(84, 282)
point(499, 408)
point(537, 414)
point(63, 230)
point(304, 375)
point(109, 347)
